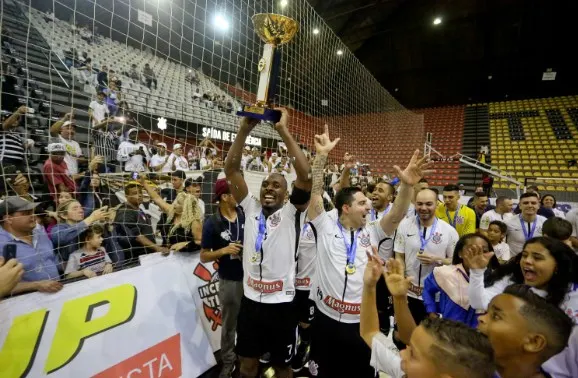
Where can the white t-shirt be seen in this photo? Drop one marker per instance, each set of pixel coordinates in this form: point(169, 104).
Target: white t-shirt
point(306, 256)
point(492, 215)
point(515, 235)
point(502, 251)
point(73, 152)
point(338, 294)
point(99, 112)
point(269, 276)
point(383, 358)
point(205, 163)
point(572, 217)
point(407, 241)
point(201, 204)
point(385, 245)
point(559, 213)
point(411, 211)
point(181, 163)
point(134, 163)
point(157, 160)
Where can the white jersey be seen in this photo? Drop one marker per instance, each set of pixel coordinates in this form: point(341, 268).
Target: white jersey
point(336, 293)
point(515, 236)
point(307, 255)
point(384, 245)
point(559, 213)
point(572, 217)
point(73, 152)
point(181, 163)
point(408, 242)
point(411, 211)
point(269, 274)
point(502, 251)
point(492, 215)
point(157, 160)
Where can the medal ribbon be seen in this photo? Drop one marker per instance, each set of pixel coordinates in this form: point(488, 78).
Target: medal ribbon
point(453, 222)
point(422, 238)
point(374, 214)
point(351, 249)
point(261, 233)
point(529, 235)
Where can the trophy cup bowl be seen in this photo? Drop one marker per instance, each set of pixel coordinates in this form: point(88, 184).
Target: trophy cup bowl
point(275, 30)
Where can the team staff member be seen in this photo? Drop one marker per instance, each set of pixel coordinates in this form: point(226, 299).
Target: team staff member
point(526, 225)
point(502, 213)
point(421, 244)
point(267, 321)
point(342, 248)
point(460, 217)
point(223, 242)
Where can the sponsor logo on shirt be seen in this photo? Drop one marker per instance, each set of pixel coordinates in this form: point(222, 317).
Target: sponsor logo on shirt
point(265, 287)
point(437, 238)
point(341, 306)
point(302, 282)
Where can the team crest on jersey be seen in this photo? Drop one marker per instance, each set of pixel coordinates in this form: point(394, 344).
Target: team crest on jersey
point(226, 235)
point(209, 294)
point(308, 233)
point(459, 220)
point(364, 240)
point(437, 238)
point(275, 219)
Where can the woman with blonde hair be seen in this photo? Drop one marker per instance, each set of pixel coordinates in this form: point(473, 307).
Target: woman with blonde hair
point(181, 224)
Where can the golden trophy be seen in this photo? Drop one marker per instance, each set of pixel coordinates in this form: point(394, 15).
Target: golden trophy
point(275, 30)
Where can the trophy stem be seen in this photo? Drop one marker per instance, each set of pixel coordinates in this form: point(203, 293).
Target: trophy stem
point(269, 67)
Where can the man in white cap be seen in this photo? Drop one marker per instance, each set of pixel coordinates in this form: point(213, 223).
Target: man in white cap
point(65, 132)
point(55, 171)
point(159, 161)
point(245, 157)
point(133, 153)
point(177, 161)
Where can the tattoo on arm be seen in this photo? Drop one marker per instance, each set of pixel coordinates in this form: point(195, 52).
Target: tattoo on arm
point(318, 165)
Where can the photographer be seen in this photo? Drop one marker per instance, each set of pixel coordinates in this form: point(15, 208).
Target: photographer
point(133, 152)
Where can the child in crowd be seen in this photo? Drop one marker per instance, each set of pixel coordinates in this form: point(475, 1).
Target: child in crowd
point(496, 235)
point(445, 290)
point(91, 260)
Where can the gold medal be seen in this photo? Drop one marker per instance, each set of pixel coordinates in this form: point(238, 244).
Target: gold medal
point(350, 268)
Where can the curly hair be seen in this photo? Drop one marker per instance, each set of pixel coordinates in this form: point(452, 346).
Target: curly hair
point(191, 213)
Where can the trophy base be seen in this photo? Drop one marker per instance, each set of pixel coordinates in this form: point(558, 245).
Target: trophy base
point(263, 114)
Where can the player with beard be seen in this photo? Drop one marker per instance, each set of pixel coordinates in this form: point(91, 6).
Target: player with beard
point(267, 321)
point(337, 350)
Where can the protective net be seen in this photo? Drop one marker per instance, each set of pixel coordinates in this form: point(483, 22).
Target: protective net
point(113, 86)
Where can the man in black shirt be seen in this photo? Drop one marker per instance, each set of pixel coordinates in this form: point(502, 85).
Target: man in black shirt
point(134, 226)
point(223, 241)
point(178, 181)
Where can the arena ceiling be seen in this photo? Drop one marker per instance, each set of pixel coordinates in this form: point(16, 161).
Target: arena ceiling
point(483, 50)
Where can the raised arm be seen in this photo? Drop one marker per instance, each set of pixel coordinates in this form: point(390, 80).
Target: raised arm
point(323, 145)
point(410, 176)
point(369, 320)
point(55, 128)
point(13, 119)
point(237, 184)
point(344, 180)
point(300, 160)
point(398, 287)
point(165, 207)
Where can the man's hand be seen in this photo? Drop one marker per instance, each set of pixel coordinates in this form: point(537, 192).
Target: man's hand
point(323, 145)
point(394, 278)
point(68, 116)
point(88, 273)
point(248, 124)
point(20, 184)
point(107, 269)
point(22, 110)
point(284, 121)
point(426, 259)
point(415, 170)
point(178, 246)
point(163, 250)
point(475, 257)
point(93, 165)
point(97, 215)
point(10, 274)
point(48, 286)
point(373, 270)
point(348, 162)
point(232, 249)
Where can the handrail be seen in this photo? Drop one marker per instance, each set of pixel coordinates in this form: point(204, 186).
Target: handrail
point(56, 69)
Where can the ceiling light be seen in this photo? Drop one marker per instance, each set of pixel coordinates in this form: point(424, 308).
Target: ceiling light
point(220, 22)
point(284, 3)
point(339, 52)
point(437, 21)
point(315, 31)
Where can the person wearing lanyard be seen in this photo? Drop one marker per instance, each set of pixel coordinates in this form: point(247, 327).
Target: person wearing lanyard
point(421, 243)
point(337, 349)
point(267, 321)
point(526, 225)
point(462, 218)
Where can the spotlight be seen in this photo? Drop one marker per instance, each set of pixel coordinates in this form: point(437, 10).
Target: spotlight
point(315, 31)
point(220, 22)
point(339, 52)
point(284, 3)
point(437, 21)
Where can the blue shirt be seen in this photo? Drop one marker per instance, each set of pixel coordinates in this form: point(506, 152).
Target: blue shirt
point(38, 259)
point(218, 232)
